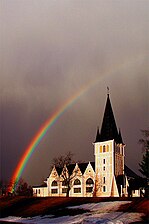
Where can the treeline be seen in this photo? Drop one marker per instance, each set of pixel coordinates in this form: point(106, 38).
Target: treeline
point(22, 189)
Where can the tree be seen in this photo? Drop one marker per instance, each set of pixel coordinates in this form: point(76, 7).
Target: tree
point(63, 160)
point(144, 165)
point(23, 189)
point(97, 186)
point(65, 163)
point(3, 187)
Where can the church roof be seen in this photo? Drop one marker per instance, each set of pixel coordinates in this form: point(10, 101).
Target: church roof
point(119, 139)
point(59, 170)
point(83, 166)
point(129, 173)
point(108, 129)
point(71, 167)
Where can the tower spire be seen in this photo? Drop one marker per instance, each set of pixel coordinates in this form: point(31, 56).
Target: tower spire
point(108, 129)
point(97, 135)
point(108, 90)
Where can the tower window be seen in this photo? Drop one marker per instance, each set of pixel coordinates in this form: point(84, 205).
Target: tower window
point(104, 161)
point(104, 168)
point(104, 180)
point(104, 148)
point(104, 188)
point(107, 148)
point(100, 149)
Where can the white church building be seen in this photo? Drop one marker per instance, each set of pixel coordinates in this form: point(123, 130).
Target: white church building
point(107, 176)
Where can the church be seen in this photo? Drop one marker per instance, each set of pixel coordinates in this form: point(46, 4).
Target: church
point(107, 176)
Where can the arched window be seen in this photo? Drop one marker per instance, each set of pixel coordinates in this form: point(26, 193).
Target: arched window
point(104, 148)
point(77, 182)
point(89, 185)
point(54, 183)
point(89, 181)
point(107, 148)
point(100, 148)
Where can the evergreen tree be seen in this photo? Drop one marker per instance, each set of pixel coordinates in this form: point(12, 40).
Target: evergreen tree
point(23, 189)
point(144, 165)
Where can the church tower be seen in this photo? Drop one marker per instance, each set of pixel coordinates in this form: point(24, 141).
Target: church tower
point(109, 155)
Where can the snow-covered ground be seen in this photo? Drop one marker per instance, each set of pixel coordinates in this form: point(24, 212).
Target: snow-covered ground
point(98, 213)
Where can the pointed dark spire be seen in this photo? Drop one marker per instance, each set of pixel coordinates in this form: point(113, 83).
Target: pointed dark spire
point(98, 136)
point(108, 90)
point(120, 140)
point(108, 128)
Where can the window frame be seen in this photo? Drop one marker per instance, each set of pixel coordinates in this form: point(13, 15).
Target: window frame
point(77, 182)
point(89, 183)
point(77, 190)
point(54, 183)
point(54, 191)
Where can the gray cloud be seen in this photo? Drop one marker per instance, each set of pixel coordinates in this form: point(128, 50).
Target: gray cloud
point(49, 50)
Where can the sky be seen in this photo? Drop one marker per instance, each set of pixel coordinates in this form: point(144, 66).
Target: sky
point(49, 50)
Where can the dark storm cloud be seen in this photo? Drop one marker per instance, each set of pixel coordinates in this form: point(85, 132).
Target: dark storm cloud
point(49, 50)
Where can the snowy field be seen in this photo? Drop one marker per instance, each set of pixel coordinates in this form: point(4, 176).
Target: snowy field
point(98, 213)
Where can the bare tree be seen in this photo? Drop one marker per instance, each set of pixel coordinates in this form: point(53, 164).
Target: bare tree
point(63, 160)
point(97, 186)
point(69, 170)
point(68, 177)
point(144, 164)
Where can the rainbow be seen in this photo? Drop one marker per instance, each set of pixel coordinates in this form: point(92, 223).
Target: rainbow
point(39, 136)
point(55, 116)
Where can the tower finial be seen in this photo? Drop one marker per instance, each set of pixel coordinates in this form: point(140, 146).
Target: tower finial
point(108, 90)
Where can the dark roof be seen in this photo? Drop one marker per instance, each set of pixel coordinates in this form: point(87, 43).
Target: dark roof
point(93, 165)
point(108, 129)
point(129, 173)
point(82, 167)
point(133, 178)
point(121, 180)
point(42, 185)
point(137, 183)
point(71, 167)
point(119, 139)
point(59, 170)
point(98, 138)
